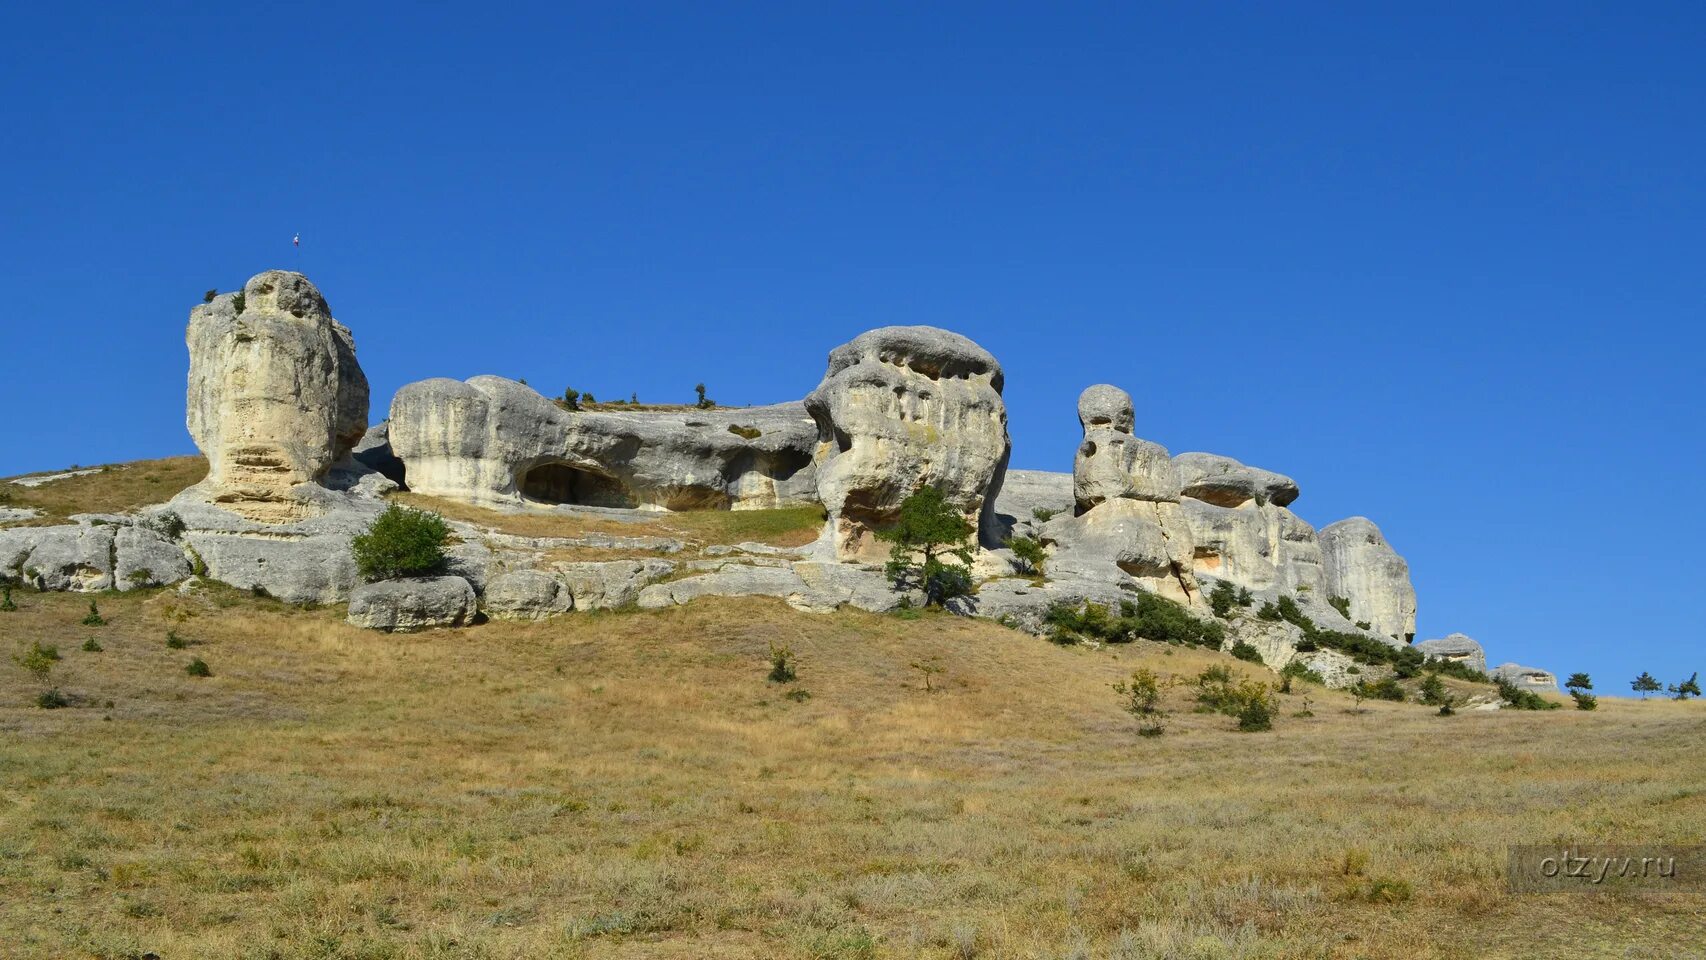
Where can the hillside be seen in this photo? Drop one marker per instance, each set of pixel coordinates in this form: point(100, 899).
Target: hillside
point(628, 784)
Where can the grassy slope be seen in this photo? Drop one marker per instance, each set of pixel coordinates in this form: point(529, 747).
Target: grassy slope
point(117, 488)
point(627, 785)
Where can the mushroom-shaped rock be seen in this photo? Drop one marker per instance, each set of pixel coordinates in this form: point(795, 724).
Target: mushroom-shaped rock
point(1112, 464)
point(275, 394)
point(899, 409)
point(1456, 648)
point(1129, 523)
point(1364, 569)
point(1225, 482)
point(494, 440)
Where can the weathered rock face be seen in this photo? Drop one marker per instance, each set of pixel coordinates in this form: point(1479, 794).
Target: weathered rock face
point(1527, 678)
point(1030, 498)
point(275, 393)
point(1126, 491)
point(1363, 568)
point(1457, 648)
point(902, 408)
point(95, 553)
point(1244, 533)
point(527, 595)
point(492, 440)
point(412, 604)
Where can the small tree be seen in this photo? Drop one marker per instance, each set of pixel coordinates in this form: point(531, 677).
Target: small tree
point(1645, 683)
point(94, 619)
point(1685, 689)
point(1341, 604)
point(1142, 695)
point(704, 402)
point(6, 604)
point(571, 399)
point(1579, 684)
point(1432, 691)
point(588, 398)
point(1028, 551)
point(209, 295)
point(1222, 598)
point(781, 664)
point(929, 667)
point(930, 529)
point(400, 542)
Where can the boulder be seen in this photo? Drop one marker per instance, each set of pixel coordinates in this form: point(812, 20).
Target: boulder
point(608, 584)
point(733, 581)
point(496, 441)
point(901, 408)
point(1527, 678)
point(1225, 482)
point(275, 394)
point(415, 603)
point(526, 595)
point(302, 561)
point(1363, 568)
point(1235, 544)
point(146, 559)
point(76, 557)
point(1458, 648)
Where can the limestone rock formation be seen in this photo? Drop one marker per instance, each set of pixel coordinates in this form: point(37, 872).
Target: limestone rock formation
point(1457, 648)
point(1030, 498)
point(415, 603)
point(1225, 482)
point(97, 552)
point(901, 408)
point(493, 440)
point(1364, 569)
point(275, 394)
point(1527, 678)
point(1126, 492)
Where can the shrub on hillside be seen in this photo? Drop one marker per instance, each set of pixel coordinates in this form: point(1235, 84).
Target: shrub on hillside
point(930, 530)
point(401, 542)
point(1145, 617)
point(1028, 551)
point(1251, 702)
point(1222, 599)
point(1386, 688)
point(1516, 698)
point(1246, 652)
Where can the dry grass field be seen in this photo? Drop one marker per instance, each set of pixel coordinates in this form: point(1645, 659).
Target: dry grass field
point(629, 785)
point(113, 488)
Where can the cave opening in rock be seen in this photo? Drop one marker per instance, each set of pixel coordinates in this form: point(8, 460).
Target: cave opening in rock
point(562, 483)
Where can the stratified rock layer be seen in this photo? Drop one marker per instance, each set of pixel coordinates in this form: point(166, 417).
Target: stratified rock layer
point(275, 394)
point(1457, 648)
point(899, 409)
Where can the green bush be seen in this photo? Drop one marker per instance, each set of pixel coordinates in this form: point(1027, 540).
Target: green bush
point(52, 700)
point(1043, 515)
point(704, 402)
point(38, 659)
point(6, 604)
point(1222, 599)
point(175, 642)
point(239, 302)
point(1268, 612)
point(1432, 691)
point(92, 645)
point(1145, 617)
point(1246, 652)
point(1386, 688)
point(1517, 698)
point(1341, 604)
point(198, 668)
point(400, 542)
point(745, 433)
point(571, 399)
point(1298, 670)
point(94, 619)
point(1252, 703)
point(1584, 701)
point(1142, 693)
point(1245, 598)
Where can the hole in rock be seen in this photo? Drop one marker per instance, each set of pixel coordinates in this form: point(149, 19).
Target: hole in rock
point(561, 483)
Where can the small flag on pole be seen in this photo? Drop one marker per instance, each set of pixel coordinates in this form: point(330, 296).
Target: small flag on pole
point(296, 241)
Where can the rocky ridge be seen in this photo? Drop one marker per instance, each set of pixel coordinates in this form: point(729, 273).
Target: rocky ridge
point(278, 403)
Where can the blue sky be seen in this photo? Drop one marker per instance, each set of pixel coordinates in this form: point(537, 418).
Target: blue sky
point(1442, 265)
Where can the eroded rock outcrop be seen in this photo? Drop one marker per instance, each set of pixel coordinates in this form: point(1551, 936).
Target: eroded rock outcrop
point(494, 440)
point(275, 394)
point(1526, 678)
point(1364, 569)
point(901, 408)
point(1457, 648)
point(1244, 532)
point(1126, 492)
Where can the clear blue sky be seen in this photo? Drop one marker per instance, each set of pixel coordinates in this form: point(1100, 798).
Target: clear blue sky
point(1443, 266)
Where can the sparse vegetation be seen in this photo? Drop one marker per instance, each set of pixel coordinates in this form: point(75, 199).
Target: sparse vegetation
point(1251, 702)
point(1246, 652)
point(92, 645)
point(1222, 599)
point(93, 618)
point(744, 432)
point(6, 604)
point(1043, 514)
point(1145, 617)
point(1141, 694)
point(52, 699)
point(209, 295)
point(928, 531)
point(570, 400)
point(38, 659)
point(1341, 604)
point(703, 402)
point(239, 302)
point(400, 542)
point(1685, 689)
point(928, 667)
point(118, 488)
point(197, 667)
point(175, 642)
